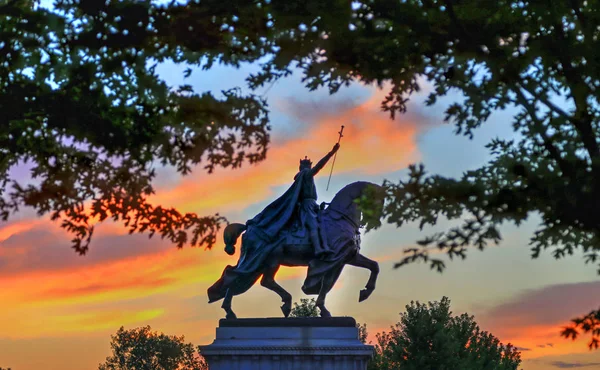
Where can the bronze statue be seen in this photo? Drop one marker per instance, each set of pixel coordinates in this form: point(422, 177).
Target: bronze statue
point(307, 201)
point(293, 231)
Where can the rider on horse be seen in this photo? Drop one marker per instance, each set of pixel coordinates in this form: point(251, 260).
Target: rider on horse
point(300, 201)
point(307, 201)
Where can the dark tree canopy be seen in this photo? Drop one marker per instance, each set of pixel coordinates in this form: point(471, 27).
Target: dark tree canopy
point(429, 337)
point(83, 106)
point(142, 348)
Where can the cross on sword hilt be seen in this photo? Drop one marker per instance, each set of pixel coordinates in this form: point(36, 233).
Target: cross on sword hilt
point(341, 134)
point(334, 157)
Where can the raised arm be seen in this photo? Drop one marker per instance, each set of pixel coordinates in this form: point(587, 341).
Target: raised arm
point(324, 161)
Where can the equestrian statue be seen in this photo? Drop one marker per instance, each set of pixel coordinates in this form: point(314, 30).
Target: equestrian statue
point(294, 231)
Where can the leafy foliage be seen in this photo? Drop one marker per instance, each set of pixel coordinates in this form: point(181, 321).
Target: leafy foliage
point(362, 332)
point(589, 323)
point(82, 105)
point(429, 337)
point(306, 308)
point(142, 348)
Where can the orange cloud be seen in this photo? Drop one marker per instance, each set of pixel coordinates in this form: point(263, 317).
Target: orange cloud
point(590, 360)
point(9, 229)
point(53, 302)
point(372, 144)
point(99, 320)
point(543, 340)
point(39, 294)
point(533, 319)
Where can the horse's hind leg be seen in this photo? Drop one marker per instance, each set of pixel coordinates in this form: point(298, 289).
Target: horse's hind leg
point(326, 285)
point(227, 305)
point(268, 281)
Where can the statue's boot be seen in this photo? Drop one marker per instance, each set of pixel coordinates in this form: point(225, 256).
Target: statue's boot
point(322, 250)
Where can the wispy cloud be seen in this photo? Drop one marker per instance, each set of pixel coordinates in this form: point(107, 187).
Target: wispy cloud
point(585, 360)
point(70, 298)
point(372, 144)
point(9, 229)
point(573, 365)
point(550, 305)
point(45, 247)
point(534, 318)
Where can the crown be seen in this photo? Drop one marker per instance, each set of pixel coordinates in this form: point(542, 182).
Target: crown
point(305, 161)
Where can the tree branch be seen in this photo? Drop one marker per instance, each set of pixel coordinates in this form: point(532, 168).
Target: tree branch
point(454, 19)
point(539, 129)
point(579, 92)
point(582, 19)
point(553, 107)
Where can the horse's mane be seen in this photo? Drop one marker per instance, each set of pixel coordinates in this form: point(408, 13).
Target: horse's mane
point(351, 190)
point(343, 200)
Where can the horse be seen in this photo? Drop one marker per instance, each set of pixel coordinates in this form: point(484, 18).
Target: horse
point(340, 226)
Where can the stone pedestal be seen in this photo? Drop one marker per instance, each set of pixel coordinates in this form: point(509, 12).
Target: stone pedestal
point(287, 344)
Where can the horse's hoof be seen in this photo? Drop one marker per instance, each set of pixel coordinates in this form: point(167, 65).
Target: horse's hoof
point(325, 314)
point(231, 316)
point(286, 309)
point(364, 294)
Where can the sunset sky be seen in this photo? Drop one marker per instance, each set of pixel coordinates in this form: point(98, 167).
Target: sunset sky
point(58, 310)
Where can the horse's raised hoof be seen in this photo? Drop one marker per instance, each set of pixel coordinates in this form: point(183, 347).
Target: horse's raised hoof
point(286, 308)
point(364, 294)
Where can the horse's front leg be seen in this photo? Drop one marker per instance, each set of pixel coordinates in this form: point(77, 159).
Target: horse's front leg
point(361, 261)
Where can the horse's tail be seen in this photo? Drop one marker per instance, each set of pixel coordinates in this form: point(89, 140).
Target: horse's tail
point(230, 236)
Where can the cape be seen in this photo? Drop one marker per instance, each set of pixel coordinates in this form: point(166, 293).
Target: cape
point(280, 212)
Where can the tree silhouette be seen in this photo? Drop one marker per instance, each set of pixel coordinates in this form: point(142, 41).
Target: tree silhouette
point(429, 337)
point(142, 348)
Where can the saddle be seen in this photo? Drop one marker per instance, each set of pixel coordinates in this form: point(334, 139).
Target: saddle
point(297, 233)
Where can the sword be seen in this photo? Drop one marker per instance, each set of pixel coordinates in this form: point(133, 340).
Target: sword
point(334, 156)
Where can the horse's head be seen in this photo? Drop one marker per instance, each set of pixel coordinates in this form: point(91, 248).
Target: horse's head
point(360, 197)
